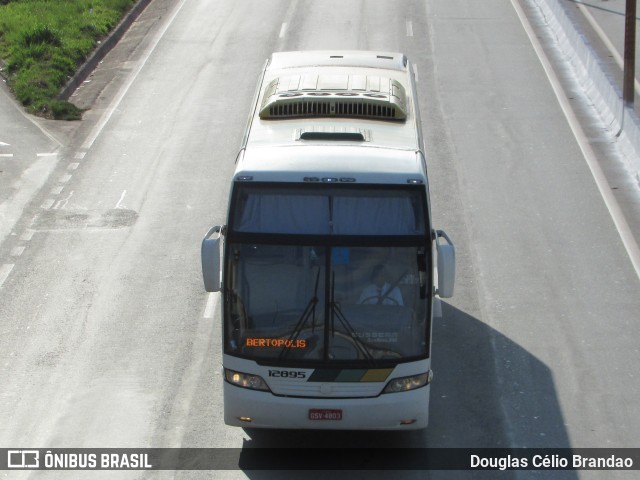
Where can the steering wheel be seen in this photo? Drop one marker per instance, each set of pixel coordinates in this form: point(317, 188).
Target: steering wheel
point(343, 347)
point(377, 299)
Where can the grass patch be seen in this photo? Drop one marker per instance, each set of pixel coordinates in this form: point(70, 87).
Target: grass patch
point(43, 42)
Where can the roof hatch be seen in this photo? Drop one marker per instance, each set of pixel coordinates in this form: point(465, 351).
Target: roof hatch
point(316, 95)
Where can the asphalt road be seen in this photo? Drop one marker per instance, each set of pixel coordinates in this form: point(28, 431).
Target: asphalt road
point(109, 340)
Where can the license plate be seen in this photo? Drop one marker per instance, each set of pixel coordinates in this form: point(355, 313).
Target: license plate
point(324, 414)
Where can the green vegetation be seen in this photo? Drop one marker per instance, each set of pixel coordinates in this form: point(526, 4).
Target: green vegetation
point(43, 42)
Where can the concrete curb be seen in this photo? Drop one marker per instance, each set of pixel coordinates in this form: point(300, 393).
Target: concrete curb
point(101, 51)
point(604, 92)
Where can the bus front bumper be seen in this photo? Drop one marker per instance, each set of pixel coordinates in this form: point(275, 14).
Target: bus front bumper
point(248, 408)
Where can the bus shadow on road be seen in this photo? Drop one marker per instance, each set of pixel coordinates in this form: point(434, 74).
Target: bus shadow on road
point(488, 392)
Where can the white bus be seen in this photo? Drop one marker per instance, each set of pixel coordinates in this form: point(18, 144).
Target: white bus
point(328, 265)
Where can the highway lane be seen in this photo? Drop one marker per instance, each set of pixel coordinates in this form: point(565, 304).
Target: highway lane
point(106, 337)
point(28, 154)
point(110, 280)
point(550, 273)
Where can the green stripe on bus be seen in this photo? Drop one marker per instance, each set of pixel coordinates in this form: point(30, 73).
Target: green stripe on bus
point(350, 375)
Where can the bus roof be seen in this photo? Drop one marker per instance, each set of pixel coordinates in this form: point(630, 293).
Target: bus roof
point(345, 58)
point(326, 114)
point(331, 163)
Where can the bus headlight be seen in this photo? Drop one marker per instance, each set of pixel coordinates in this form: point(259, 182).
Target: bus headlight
point(405, 384)
point(245, 380)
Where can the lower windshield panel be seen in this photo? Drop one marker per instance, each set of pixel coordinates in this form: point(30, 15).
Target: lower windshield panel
point(310, 304)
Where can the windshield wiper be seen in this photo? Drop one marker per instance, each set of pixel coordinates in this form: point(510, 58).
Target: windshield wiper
point(352, 333)
point(309, 311)
point(382, 298)
point(337, 312)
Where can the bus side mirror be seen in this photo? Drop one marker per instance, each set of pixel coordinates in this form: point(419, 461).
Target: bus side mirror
point(446, 265)
point(211, 272)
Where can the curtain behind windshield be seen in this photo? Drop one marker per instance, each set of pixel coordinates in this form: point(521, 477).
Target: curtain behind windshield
point(301, 214)
point(329, 212)
point(373, 216)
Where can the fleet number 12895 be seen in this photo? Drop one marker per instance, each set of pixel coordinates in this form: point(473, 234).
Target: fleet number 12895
point(287, 374)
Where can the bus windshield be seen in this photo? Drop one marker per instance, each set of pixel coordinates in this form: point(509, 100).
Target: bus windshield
point(322, 303)
point(337, 294)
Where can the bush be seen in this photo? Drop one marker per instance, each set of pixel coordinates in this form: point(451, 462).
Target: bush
point(41, 34)
point(63, 110)
point(43, 42)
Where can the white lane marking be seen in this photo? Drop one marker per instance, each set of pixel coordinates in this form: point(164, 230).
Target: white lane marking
point(65, 178)
point(79, 155)
point(283, 30)
point(97, 129)
point(191, 380)
point(603, 37)
point(286, 23)
point(5, 270)
point(63, 203)
point(51, 154)
point(47, 204)
point(7, 155)
point(32, 179)
point(212, 302)
point(56, 190)
point(22, 112)
point(17, 251)
point(620, 222)
point(409, 28)
point(118, 205)
point(27, 235)
point(73, 166)
point(2, 144)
